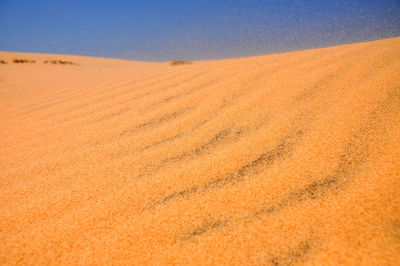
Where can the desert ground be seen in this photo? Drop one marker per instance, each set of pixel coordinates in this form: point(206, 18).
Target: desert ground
point(282, 159)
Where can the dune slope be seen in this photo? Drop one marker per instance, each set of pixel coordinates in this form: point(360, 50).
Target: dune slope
point(281, 159)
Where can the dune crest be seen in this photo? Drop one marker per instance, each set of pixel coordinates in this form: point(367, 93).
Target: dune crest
point(278, 159)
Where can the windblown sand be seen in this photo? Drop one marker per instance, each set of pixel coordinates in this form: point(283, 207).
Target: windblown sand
point(279, 159)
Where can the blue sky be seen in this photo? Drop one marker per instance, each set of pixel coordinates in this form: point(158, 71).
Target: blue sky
point(163, 30)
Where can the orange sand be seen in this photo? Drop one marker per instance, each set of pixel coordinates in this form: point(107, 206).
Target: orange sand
point(277, 159)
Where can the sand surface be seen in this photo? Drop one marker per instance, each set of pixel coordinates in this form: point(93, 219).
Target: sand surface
point(281, 159)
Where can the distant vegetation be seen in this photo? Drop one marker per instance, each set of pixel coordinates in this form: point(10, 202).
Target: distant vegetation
point(26, 61)
point(179, 62)
point(23, 61)
point(61, 62)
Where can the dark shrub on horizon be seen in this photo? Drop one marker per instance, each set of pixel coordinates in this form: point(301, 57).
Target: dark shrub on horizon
point(61, 62)
point(179, 62)
point(21, 61)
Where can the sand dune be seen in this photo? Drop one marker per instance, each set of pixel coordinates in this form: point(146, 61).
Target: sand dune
point(279, 159)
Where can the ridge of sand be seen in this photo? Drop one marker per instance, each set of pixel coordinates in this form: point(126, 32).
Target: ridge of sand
point(278, 159)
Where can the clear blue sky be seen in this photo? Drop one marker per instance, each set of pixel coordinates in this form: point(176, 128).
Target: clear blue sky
point(162, 30)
